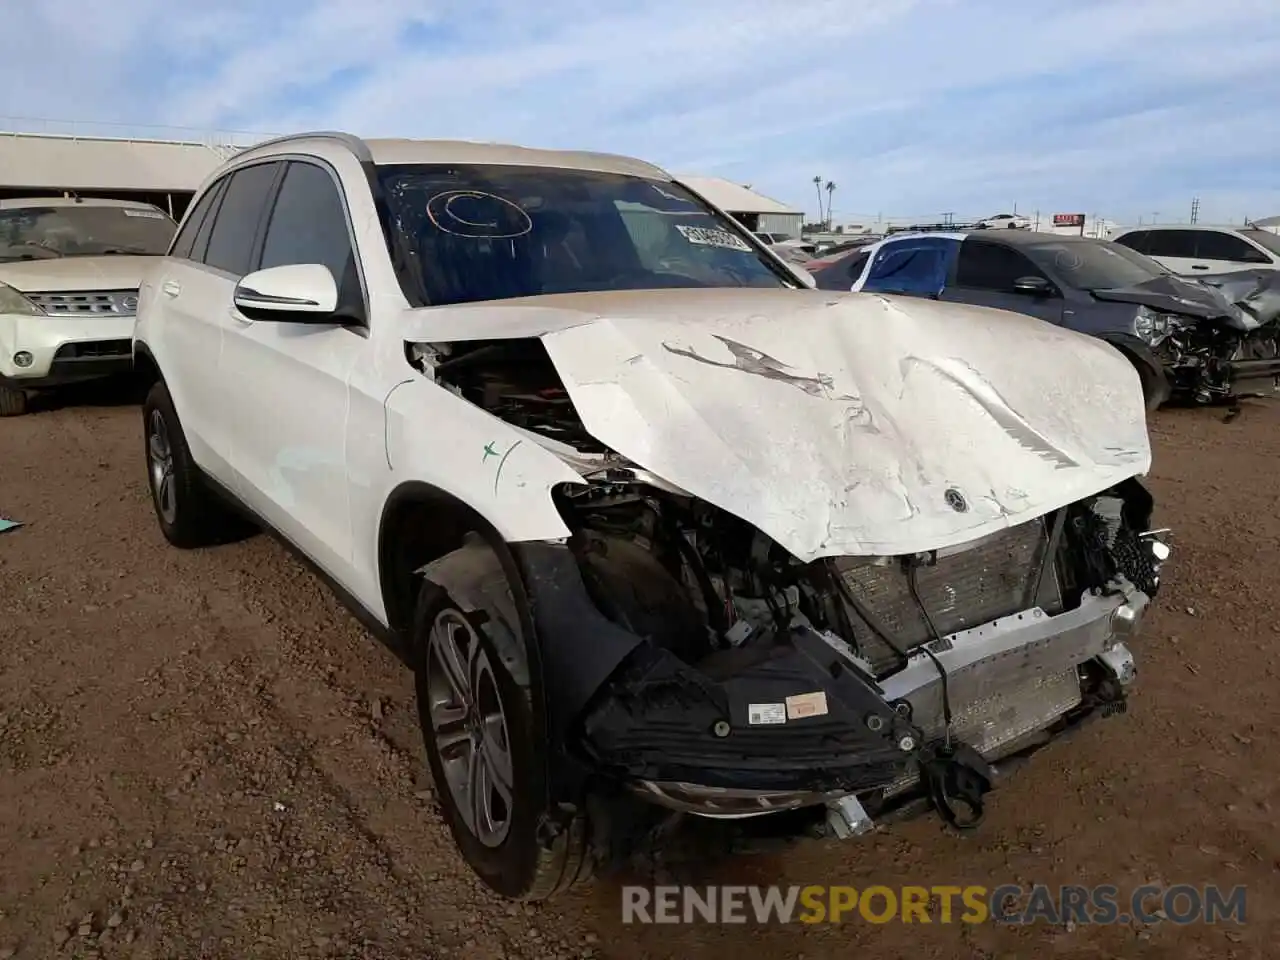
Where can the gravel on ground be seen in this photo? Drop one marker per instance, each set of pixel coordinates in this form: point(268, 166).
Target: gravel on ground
point(203, 755)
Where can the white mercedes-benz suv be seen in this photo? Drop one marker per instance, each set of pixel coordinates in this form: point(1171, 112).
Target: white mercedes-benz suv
point(70, 269)
point(663, 533)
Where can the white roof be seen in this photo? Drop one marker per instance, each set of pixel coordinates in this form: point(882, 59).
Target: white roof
point(88, 163)
point(1183, 226)
point(472, 151)
point(916, 234)
point(394, 151)
point(734, 198)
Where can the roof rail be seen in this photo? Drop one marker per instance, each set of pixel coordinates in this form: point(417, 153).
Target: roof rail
point(349, 140)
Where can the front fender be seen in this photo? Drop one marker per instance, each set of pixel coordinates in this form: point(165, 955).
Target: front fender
point(435, 437)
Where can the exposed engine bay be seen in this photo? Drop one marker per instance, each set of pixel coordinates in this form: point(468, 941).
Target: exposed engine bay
point(514, 380)
point(1203, 360)
point(1209, 360)
point(767, 684)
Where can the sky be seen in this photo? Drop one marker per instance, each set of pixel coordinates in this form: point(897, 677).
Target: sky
point(913, 108)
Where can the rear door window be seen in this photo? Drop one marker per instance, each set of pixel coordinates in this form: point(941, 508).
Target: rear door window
point(1216, 245)
point(200, 246)
point(1137, 240)
point(992, 266)
point(184, 242)
point(235, 231)
point(1172, 243)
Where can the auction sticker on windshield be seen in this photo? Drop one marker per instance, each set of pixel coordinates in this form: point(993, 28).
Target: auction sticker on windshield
point(146, 214)
point(711, 237)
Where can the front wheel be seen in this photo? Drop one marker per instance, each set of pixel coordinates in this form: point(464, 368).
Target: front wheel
point(486, 754)
point(13, 402)
point(1155, 386)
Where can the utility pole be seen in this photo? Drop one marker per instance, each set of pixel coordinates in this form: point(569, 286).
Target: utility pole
point(1195, 209)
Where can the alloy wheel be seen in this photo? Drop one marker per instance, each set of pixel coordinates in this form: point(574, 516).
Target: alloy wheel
point(160, 455)
point(470, 727)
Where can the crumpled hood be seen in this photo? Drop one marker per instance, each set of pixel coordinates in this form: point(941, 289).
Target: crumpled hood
point(1174, 295)
point(839, 424)
point(76, 273)
point(1257, 292)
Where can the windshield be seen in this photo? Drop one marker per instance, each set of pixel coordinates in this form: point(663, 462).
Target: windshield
point(1096, 265)
point(462, 234)
point(43, 233)
point(1263, 238)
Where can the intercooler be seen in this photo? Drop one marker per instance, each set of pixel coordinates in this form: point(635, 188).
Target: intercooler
point(994, 577)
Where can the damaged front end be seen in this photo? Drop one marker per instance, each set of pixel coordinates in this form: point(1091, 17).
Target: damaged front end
point(1209, 362)
point(765, 684)
point(689, 660)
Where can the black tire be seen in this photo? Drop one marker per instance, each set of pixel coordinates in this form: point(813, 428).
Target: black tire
point(1155, 392)
point(13, 402)
point(189, 513)
point(528, 862)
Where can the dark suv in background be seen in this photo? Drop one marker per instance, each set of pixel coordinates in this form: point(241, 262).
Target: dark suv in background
point(1186, 339)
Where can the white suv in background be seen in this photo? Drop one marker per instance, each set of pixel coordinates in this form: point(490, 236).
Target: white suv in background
point(1204, 251)
point(616, 484)
point(70, 269)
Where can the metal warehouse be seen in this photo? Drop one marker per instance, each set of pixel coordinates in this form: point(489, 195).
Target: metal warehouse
point(753, 210)
point(167, 173)
point(163, 172)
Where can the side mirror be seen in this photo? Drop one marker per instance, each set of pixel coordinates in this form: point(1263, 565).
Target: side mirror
point(1035, 286)
point(295, 293)
point(803, 275)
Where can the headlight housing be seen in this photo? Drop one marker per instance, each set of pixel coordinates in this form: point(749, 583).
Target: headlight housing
point(1152, 327)
point(11, 301)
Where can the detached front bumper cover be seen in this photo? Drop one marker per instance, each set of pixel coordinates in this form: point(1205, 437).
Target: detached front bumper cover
point(691, 745)
point(803, 724)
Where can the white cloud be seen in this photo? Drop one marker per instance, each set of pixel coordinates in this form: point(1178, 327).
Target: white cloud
point(909, 105)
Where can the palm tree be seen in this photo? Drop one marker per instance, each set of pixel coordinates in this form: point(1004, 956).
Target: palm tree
point(817, 185)
point(831, 188)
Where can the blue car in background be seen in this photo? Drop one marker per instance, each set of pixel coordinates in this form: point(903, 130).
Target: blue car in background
point(1187, 340)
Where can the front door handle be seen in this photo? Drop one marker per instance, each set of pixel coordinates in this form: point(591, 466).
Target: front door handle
point(171, 288)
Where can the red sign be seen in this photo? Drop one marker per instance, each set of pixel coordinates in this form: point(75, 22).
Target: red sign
point(1068, 219)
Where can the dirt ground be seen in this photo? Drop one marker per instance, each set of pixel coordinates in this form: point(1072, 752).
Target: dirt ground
point(203, 755)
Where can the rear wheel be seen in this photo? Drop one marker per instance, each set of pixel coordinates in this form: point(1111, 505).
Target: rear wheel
point(189, 513)
point(13, 402)
point(486, 753)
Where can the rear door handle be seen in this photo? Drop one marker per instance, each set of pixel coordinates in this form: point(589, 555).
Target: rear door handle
point(171, 288)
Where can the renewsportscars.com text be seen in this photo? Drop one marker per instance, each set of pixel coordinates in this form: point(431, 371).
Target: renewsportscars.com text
point(1007, 903)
